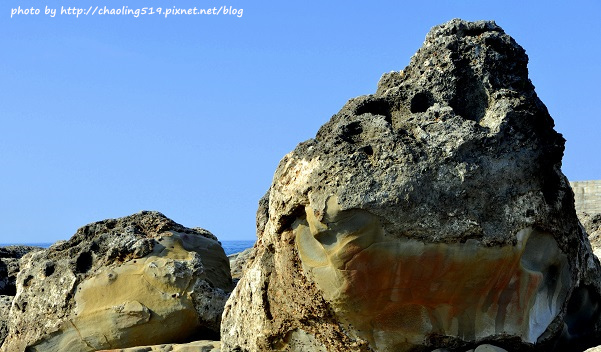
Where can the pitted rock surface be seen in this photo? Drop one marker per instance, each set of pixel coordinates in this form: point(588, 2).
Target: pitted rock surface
point(431, 214)
point(9, 266)
point(137, 280)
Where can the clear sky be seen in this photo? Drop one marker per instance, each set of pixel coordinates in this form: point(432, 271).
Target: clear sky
point(104, 116)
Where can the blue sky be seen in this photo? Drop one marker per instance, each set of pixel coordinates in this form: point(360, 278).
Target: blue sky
point(104, 116)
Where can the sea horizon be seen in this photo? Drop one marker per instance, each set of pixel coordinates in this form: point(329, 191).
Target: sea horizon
point(229, 246)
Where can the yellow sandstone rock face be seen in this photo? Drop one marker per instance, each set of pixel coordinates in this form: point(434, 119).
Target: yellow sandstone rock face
point(394, 292)
point(143, 301)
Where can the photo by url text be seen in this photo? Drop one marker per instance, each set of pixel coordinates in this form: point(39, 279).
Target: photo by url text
point(126, 11)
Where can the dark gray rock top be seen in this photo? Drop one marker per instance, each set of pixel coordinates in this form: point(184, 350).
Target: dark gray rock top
point(9, 266)
point(16, 251)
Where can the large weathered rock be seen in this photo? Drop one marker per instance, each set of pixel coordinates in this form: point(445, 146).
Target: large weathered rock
point(432, 214)
point(137, 280)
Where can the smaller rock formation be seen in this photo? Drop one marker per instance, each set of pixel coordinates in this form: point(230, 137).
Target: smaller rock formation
point(118, 283)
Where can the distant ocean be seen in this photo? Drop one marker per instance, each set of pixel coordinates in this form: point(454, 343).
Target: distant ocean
point(230, 247)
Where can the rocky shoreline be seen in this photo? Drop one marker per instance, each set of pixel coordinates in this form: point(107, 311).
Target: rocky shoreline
point(430, 216)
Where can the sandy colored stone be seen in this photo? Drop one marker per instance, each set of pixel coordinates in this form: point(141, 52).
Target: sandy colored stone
point(431, 214)
point(138, 280)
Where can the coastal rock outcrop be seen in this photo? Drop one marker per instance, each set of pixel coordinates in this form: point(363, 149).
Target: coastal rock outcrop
point(137, 280)
point(431, 214)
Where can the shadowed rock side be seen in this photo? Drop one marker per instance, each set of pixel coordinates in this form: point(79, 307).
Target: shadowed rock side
point(137, 280)
point(432, 214)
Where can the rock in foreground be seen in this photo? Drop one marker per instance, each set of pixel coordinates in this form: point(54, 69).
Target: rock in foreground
point(137, 280)
point(432, 214)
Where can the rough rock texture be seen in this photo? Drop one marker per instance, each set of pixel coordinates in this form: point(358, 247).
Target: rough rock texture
point(196, 346)
point(238, 262)
point(431, 214)
point(587, 195)
point(137, 280)
point(5, 302)
point(592, 225)
point(9, 266)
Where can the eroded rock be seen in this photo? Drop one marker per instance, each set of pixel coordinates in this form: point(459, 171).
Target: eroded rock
point(137, 280)
point(432, 214)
